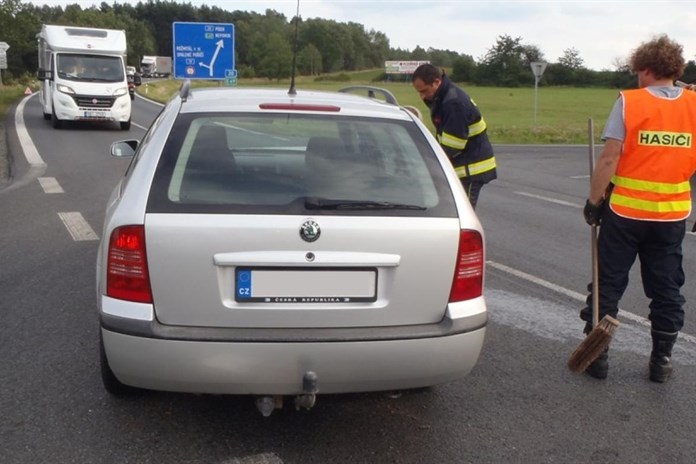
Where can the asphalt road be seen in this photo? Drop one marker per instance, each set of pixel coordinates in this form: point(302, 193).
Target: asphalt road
point(4, 160)
point(520, 403)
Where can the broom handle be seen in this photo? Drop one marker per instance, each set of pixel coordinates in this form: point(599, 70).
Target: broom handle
point(595, 258)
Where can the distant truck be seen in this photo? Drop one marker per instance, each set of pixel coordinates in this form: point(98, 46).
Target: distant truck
point(156, 66)
point(83, 75)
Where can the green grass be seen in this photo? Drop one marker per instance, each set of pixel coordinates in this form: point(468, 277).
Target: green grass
point(561, 113)
point(9, 94)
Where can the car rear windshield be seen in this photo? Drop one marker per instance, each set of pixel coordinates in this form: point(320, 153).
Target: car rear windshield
point(287, 163)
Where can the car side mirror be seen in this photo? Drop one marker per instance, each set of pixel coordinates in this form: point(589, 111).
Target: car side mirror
point(44, 75)
point(124, 148)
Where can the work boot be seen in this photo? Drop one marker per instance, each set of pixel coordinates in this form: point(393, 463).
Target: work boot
point(599, 369)
point(660, 363)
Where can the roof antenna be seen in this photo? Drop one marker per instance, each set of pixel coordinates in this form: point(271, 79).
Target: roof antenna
point(292, 91)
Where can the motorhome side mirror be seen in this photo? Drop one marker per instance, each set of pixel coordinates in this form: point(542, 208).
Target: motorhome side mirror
point(44, 75)
point(124, 148)
point(137, 80)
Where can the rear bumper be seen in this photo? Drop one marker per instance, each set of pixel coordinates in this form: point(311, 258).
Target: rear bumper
point(146, 354)
point(277, 368)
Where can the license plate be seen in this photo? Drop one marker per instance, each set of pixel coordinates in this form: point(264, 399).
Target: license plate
point(93, 115)
point(302, 285)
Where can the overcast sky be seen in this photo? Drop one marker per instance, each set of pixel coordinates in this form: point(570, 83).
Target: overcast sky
point(601, 30)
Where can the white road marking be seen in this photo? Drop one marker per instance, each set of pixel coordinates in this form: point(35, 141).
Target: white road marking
point(263, 458)
point(28, 147)
point(566, 203)
point(139, 126)
point(77, 226)
point(550, 200)
point(623, 314)
point(585, 176)
point(50, 185)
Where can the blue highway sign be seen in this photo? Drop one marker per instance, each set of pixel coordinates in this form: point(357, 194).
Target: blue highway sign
point(203, 51)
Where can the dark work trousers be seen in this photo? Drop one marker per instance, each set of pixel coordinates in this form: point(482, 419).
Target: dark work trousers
point(472, 191)
point(658, 246)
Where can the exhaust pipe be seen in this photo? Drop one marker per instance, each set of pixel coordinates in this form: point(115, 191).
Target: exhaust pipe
point(267, 404)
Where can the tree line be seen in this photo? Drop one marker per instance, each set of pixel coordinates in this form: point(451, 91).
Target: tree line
point(264, 45)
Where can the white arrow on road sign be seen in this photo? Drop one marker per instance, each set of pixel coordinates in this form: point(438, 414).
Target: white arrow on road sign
point(220, 44)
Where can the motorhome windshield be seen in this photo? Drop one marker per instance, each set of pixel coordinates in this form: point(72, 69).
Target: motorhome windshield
point(90, 68)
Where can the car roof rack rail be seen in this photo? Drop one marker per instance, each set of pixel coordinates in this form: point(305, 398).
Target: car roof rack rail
point(372, 92)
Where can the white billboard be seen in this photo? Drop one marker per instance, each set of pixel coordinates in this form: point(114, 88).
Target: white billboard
point(402, 67)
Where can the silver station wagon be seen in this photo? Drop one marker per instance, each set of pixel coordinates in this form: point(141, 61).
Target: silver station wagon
point(272, 243)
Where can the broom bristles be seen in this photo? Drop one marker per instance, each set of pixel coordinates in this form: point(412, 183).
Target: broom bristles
point(593, 345)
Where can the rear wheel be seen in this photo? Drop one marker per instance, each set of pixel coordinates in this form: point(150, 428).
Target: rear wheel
point(111, 383)
point(125, 125)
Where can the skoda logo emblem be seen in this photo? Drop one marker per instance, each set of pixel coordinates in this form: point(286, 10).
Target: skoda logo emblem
point(309, 231)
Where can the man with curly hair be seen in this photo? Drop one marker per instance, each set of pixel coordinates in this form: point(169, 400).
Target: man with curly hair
point(640, 193)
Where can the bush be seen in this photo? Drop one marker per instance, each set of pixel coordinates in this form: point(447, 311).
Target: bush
point(9, 94)
point(246, 72)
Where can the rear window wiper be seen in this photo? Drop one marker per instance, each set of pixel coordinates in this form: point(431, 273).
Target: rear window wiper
point(323, 203)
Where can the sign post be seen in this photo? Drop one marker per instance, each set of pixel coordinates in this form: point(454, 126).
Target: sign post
point(204, 51)
point(3, 58)
point(538, 68)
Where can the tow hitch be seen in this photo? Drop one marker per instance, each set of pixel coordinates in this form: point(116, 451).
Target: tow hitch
point(267, 404)
point(310, 389)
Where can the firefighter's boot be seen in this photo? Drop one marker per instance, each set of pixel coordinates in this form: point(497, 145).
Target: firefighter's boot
point(660, 363)
point(599, 369)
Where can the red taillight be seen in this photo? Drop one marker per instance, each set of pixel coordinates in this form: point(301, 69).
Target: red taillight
point(468, 274)
point(127, 277)
point(300, 107)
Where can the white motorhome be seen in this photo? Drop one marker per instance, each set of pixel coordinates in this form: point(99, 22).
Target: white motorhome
point(83, 76)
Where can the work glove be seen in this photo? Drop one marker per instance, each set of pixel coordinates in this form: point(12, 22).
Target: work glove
point(593, 213)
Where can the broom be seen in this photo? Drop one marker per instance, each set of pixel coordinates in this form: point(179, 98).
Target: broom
point(602, 331)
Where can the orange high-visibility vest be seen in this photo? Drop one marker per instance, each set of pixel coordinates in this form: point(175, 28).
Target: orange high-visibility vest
point(659, 157)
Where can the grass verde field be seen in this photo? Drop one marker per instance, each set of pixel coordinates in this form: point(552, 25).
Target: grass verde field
point(561, 118)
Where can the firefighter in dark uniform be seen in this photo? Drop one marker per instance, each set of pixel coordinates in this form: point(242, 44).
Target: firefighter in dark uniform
point(459, 127)
point(641, 194)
